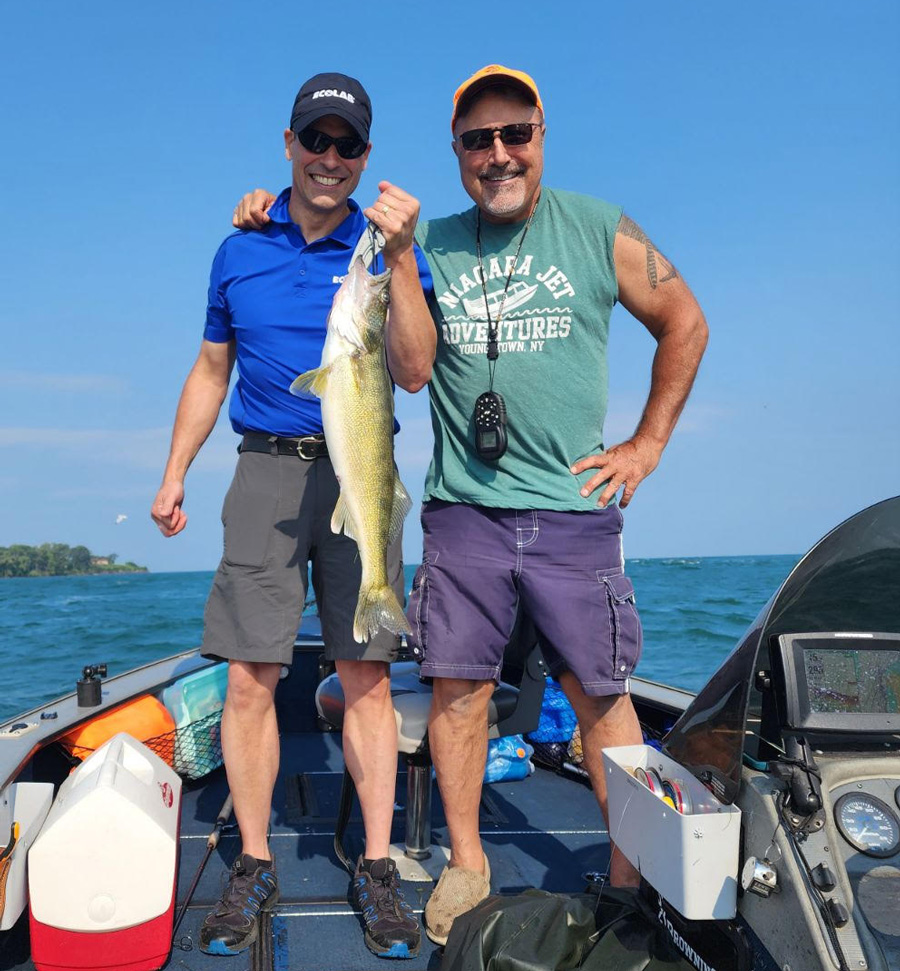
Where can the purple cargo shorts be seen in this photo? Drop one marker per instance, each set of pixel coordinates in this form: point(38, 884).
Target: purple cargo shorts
point(566, 568)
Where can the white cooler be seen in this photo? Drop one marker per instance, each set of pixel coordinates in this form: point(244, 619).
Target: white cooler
point(102, 872)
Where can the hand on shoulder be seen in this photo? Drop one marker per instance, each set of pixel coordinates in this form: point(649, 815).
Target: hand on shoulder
point(252, 212)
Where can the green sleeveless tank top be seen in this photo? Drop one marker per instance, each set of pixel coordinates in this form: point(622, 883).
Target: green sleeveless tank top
point(552, 368)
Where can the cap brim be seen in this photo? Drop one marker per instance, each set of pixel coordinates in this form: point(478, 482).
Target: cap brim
point(308, 117)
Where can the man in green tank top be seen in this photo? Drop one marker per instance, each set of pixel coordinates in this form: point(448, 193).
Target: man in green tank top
point(523, 513)
point(520, 498)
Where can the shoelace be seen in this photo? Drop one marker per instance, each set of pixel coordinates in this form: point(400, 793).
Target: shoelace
point(239, 886)
point(387, 895)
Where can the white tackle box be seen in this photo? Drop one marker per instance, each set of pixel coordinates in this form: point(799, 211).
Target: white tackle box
point(691, 859)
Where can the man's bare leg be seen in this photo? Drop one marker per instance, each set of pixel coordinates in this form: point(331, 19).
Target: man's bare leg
point(370, 747)
point(605, 722)
point(251, 750)
point(457, 736)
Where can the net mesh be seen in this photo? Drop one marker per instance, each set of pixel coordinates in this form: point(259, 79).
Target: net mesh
point(193, 750)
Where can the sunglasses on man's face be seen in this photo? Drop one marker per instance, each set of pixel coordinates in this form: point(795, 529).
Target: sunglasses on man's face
point(317, 142)
point(478, 139)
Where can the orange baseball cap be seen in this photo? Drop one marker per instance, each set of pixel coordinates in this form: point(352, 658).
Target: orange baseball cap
point(493, 74)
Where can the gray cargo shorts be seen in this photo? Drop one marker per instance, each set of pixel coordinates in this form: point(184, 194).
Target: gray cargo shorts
point(277, 518)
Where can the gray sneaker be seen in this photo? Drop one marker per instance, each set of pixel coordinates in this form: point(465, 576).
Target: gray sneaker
point(233, 926)
point(391, 929)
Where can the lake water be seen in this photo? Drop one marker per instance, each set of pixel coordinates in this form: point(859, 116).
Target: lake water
point(693, 611)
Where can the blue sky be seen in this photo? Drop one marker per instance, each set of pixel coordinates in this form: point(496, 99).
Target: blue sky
point(757, 144)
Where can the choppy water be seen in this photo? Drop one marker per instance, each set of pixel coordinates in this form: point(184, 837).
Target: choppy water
point(693, 611)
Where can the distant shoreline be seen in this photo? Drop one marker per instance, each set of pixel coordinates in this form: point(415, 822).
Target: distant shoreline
point(88, 573)
point(20, 562)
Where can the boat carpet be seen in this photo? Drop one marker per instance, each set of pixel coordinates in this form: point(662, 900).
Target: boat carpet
point(544, 831)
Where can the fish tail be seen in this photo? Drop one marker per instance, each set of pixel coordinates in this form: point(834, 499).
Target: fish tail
point(378, 607)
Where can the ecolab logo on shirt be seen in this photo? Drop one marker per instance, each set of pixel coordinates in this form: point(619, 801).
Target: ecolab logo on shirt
point(333, 93)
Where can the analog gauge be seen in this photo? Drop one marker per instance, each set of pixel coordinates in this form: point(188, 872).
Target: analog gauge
point(868, 824)
point(896, 791)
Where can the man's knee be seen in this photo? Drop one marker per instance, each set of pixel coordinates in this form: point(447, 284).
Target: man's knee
point(364, 681)
point(251, 685)
point(461, 699)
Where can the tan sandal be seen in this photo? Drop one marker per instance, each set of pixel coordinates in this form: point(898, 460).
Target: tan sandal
point(457, 891)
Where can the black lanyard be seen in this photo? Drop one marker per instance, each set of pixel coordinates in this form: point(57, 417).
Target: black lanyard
point(493, 351)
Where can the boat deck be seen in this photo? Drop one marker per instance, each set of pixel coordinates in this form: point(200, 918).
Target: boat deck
point(544, 831)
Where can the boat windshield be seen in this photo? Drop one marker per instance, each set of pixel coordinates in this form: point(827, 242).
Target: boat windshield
point(848, 582)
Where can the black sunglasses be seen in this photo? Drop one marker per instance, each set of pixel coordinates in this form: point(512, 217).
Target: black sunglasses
point(478, 139)
point(317, 142)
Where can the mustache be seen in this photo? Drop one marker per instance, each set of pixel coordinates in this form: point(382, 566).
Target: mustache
point(511, 168)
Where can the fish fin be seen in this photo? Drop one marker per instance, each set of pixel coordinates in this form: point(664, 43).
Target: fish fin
point(342, 520)
point(378, 607)
point(311, 384)
point(402, 505)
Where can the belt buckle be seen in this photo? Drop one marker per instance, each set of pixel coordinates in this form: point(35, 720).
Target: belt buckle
point(302, 444)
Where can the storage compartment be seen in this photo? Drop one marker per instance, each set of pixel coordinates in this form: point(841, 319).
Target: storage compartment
point(102, 872)
point(23, 809)
point(195, 703)
point(691, 858)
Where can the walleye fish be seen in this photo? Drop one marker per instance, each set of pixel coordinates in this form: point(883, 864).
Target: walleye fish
point(358, 416)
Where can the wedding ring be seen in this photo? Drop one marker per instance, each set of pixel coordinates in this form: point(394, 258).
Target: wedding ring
point(385, 209)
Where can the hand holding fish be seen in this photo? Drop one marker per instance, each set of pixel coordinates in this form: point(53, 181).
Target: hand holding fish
point(626, 464)
point(395, 213)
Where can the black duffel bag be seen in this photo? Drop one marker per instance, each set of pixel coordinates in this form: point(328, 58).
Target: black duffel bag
point(540, 931)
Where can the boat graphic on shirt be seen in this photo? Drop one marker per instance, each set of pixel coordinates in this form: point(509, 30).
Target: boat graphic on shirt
point(499, 303)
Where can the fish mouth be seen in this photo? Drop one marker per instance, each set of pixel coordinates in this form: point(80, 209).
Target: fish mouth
point(374, 281)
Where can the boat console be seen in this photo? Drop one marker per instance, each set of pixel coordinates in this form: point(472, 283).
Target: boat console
point(800, 728)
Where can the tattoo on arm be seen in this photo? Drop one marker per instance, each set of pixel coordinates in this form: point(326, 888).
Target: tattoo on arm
point(659, 269)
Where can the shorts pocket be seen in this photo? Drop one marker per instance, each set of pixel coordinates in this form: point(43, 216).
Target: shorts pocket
point(417, 609)
point(248, 513)
point(625, 624)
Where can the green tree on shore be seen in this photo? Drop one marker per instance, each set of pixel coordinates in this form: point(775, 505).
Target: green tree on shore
point(57, 559)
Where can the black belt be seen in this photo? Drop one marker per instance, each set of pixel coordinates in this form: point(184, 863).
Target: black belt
point(307, 448)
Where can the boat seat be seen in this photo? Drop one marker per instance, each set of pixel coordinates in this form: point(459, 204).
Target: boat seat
point(514, 709)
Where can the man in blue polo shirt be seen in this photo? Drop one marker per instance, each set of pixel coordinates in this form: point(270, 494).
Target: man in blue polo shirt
point(269, 297)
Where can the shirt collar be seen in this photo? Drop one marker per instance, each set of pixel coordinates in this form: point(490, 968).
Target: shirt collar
point(346, 234)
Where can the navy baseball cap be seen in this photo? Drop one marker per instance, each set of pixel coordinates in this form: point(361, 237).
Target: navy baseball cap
point(333, 94)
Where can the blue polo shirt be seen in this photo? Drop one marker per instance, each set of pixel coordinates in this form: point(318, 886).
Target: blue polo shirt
point(270, 292)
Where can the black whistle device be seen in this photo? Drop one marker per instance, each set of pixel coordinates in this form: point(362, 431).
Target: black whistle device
point(490, 426)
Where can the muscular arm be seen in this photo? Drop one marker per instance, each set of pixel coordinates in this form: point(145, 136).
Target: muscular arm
point(201, 399)
point(652, 290)
point(411, 338)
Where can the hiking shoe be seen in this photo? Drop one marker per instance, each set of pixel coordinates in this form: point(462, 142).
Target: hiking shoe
point(390, 927)
point(457, 892)
point(232, 926)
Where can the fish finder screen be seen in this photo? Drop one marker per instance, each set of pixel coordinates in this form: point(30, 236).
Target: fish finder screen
point(841, 682)
point(852, 680)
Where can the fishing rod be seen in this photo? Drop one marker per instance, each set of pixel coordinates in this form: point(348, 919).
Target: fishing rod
point(211, 843)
